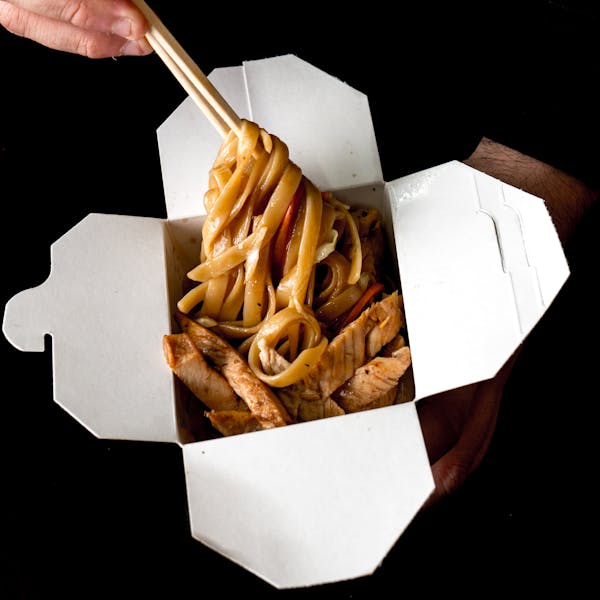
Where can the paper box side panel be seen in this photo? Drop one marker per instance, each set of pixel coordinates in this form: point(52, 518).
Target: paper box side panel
point(311, 503)
point(471, 295)
point(185, 237)
point(105, 306)
point(182, 252)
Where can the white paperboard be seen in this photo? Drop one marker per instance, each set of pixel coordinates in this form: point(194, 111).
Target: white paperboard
point(480, 263)
point(317, 502)
point(310, 503)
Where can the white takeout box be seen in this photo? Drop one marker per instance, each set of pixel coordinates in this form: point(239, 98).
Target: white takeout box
point(323, 501)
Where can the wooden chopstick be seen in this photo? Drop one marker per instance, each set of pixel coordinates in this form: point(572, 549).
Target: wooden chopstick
point(189, 75)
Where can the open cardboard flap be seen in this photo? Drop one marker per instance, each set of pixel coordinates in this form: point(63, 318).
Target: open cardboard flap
point(105, 305)
point(480, 263)
point(311, 503)
point(323, 501)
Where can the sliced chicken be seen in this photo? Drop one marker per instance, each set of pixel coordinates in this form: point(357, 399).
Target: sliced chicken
point(356, 344)
point(375, 383)
point(261, 401)
point(320, 409)
point(301, 403)
point(233, 422)
point(204, 382)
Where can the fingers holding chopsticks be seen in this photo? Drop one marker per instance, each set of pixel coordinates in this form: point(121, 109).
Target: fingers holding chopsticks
point(93, 28)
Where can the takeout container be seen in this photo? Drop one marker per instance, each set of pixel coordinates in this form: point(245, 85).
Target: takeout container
point(323, 501)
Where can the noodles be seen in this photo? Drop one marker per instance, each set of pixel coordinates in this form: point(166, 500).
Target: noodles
point(280, 262)
point(285, 316)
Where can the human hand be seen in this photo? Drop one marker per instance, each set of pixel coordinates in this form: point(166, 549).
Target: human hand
point(458, 427)
point(93, 28)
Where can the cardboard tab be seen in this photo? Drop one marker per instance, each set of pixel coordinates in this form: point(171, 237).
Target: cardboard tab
point(105, 307)
point(312, 503)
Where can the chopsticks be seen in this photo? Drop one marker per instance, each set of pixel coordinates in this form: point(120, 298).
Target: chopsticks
point(189, 75)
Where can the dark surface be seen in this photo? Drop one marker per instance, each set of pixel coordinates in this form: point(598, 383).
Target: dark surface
point(85, 517)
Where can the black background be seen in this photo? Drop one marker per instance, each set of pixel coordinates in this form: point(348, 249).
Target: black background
point(86, 517)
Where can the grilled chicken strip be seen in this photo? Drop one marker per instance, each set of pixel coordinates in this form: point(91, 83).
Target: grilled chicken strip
point(375, 383)
point(356, 344)
point(233, 422)
point(301, 405)
point(204, 382)
point(261, 401)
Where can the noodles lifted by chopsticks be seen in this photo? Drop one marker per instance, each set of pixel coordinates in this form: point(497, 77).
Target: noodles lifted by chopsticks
point(280, 263)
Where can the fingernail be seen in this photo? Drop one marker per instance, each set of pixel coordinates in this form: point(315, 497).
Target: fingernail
point(138, 48)
point(122, 28)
